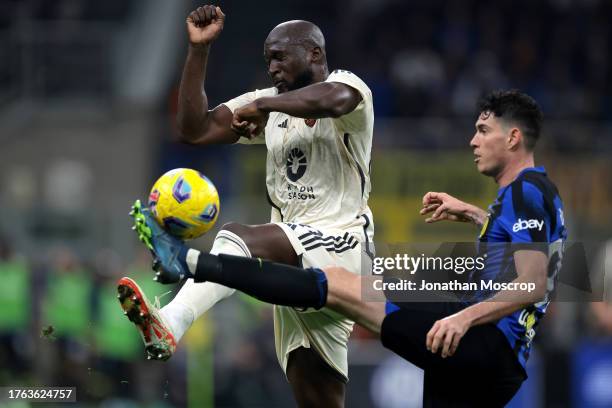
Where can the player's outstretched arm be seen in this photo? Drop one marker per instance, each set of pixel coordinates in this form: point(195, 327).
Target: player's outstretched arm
point(320, 100)
point(197, 124)
point(446, 207)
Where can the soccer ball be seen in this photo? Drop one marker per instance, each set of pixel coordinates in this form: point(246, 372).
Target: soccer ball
point(185, 203)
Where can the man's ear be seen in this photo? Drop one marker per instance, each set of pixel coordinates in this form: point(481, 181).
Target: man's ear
point(515, 139)
point(316, 54)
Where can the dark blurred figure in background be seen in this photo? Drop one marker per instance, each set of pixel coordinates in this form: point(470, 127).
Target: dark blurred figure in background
point(16, 305)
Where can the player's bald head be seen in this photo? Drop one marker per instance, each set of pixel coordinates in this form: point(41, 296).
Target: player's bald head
point(295, 55)
point(297, 32)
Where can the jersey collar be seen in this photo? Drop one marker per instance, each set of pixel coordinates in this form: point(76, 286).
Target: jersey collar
point(537, 169)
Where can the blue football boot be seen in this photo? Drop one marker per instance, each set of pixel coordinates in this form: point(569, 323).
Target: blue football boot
point(169, 253)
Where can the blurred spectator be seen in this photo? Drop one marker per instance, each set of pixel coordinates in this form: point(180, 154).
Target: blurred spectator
point(66, 316)
point(15, 309)
point(601, 312)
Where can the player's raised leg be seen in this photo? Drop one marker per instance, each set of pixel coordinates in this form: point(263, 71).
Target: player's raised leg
point(346, 293)
point(307, 368)
point(271, 282)
point(194, 299)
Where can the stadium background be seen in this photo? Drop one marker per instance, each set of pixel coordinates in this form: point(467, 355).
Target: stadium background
point(87, 102)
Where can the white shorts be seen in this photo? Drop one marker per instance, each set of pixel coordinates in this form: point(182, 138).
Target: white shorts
point(324, 330)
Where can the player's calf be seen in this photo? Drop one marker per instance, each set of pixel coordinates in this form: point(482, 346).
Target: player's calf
point(347, 295)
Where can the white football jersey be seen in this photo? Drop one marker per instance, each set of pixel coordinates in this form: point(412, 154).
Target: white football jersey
point(318, 170)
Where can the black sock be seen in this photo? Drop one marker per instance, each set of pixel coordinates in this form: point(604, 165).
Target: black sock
point(269, 282)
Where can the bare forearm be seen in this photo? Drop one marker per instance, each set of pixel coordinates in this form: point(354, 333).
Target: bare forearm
point(506, 302)
point(487, 312)
point(322, 100)
point(193, 102)
point(475, 215)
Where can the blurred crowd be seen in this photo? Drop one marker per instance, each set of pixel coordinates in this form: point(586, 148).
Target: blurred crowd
point(61, 325)
point(434, 58)
point(421, 58)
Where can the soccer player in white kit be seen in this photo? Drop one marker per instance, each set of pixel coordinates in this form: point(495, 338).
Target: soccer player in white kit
point(317, 128)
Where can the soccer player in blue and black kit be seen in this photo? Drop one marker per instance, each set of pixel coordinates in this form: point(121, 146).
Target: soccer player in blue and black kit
point(522, 234)
point(473, 352)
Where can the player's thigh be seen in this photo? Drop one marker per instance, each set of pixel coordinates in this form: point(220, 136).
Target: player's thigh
point(313, 382)
point(347, 294)
point(266, 241)
point(404, 331)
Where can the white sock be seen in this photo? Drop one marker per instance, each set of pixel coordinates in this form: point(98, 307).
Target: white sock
point(194, 299)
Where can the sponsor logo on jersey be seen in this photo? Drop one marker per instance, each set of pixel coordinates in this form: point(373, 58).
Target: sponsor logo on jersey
point(521, 225)
point(310, 122)
point(296, 164)
point(283, 124)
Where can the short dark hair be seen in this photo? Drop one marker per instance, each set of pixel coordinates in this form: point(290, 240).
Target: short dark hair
point(517, 107)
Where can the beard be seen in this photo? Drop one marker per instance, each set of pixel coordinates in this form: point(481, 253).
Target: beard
point(302, 79)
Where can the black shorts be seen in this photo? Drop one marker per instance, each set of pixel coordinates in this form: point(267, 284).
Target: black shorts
point(483, 371)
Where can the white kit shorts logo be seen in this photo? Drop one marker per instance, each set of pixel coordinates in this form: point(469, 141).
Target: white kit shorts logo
point(527, 224)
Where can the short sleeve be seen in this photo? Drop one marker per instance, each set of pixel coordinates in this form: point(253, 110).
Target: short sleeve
point(359, 117)
point(245, 99)
point(275, 215)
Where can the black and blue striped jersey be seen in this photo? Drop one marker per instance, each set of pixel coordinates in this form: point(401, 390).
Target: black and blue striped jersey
point(527, 211)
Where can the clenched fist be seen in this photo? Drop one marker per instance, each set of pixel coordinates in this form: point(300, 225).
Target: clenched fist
point(204, 24)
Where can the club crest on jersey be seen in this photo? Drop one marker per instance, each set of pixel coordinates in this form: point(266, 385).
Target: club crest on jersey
point(296, 164)
point(485, 224)
point(181, 190)
point(310, 122)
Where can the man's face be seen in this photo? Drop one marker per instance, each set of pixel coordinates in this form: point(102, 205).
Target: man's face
point(489, 144)
point(288, 65)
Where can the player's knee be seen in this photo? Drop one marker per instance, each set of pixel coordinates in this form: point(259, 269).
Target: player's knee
point(234, 227)
point(244, 232)
point(240, 230)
